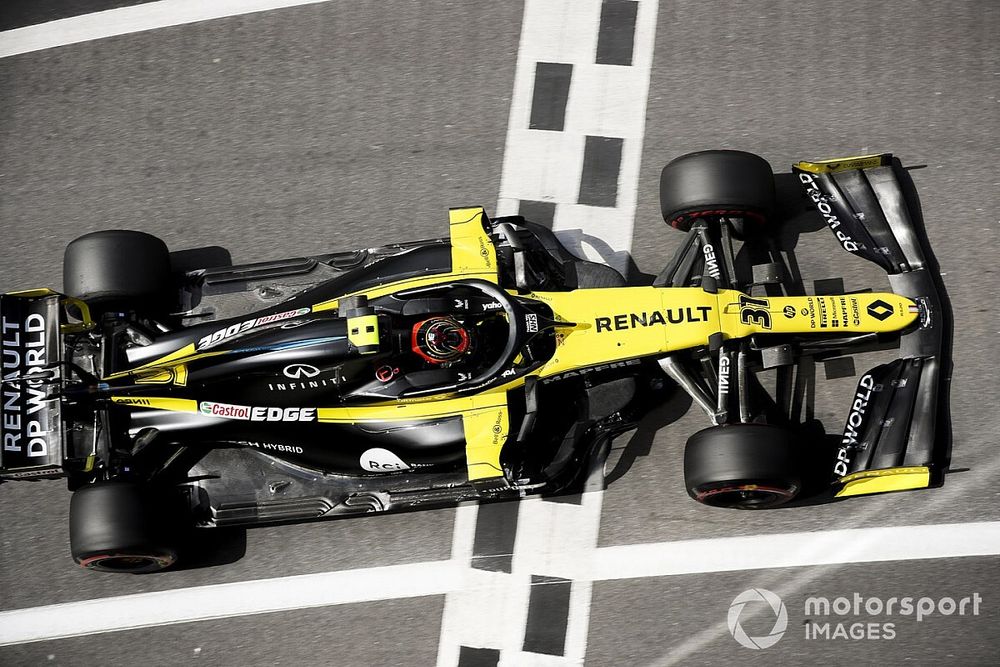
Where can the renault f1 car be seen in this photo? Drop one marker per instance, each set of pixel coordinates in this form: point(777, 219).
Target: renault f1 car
point(490, 364)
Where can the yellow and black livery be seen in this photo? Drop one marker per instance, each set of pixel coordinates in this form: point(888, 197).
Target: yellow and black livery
point(310, 374)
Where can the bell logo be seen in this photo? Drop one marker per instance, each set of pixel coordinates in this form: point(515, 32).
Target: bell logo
point(880, 310)
point(777, 607)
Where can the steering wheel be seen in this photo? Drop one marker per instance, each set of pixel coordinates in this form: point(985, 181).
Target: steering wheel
point(516, 334)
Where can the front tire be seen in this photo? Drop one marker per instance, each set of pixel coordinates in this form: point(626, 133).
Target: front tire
point(742, 466)
point(119, 527)
point(717, 184)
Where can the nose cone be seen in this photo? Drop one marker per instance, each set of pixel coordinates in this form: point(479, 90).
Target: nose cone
point(887, 312)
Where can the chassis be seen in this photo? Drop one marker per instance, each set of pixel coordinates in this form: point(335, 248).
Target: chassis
point(284, 391)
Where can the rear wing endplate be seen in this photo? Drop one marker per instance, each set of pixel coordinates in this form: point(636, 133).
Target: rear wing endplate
point(31, 444)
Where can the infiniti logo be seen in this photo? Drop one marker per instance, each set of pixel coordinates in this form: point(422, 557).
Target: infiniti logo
point(300, 371)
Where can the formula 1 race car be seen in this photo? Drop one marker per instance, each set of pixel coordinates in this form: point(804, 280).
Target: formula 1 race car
point(488, 365)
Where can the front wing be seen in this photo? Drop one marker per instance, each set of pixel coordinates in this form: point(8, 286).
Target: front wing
point(890, 440)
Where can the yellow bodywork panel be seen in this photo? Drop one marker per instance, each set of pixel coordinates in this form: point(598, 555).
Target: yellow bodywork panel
point(874, 312)
point(154, 376)
point(484, 419)
point(157, 403)
point(362, 332)
point(472, 256)
point(86, 322)
point(614, 324)
point(884, 480)
point(485, 434)
point(409, 411)
point(846, 163)
point(620, 323)
point(166, 375)
point(183, 355)
point(33, 293)
point(472, 249)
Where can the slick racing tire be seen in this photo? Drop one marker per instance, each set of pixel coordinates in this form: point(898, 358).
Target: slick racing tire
point(118, 527)
point(741, 466)
point(717, 184)
point(117, 269)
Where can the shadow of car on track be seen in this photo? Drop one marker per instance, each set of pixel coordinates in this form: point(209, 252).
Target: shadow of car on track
point(200, 548)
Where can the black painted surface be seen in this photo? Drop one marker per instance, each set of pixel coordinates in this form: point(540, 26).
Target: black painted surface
point(478, 657)
point(548, 615)
point(496, 527)
point(602, 159)
point(548, 102)
point(616, 36)
point(541, 212)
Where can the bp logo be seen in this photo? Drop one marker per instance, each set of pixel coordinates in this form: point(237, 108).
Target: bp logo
point(777, 608)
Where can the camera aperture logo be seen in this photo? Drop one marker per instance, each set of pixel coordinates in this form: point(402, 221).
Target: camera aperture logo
point(780, 618)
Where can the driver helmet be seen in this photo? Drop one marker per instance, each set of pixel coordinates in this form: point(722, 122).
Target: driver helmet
point(441, 339)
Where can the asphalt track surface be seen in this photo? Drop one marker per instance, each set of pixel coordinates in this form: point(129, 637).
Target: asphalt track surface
point(345, 125)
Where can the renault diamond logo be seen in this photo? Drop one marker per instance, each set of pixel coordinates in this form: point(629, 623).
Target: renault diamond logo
point(299, 371)
point(880, 310)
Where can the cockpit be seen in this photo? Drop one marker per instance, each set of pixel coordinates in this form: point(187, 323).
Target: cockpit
point(458, 337)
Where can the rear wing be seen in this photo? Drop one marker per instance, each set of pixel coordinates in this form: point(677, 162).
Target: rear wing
point(889, 439)
point(31, 442)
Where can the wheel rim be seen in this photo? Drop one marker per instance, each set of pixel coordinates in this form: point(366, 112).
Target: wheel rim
point(128, 562)
point(746, 496)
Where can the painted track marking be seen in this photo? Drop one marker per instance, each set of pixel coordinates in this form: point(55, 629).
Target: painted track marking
point(752, 552)
point(604, 103)
point(125, 20)
point(572, 156)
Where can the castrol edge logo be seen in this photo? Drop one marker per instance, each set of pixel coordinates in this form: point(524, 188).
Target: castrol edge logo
point(257, 413)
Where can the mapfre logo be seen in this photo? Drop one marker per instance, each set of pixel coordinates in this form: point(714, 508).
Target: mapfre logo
point(777, 607)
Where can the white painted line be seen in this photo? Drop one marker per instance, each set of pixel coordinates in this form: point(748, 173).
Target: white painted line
point(755, 552)
point(546, 529)
point(125, 20)
point(604, 100)
point(243, 598)
point(546, 165)
point(486, 597)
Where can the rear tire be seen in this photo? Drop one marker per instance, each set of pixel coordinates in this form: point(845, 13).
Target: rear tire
point(720, 183)
point(742, 466)
point(118, 269)
point(118, 527)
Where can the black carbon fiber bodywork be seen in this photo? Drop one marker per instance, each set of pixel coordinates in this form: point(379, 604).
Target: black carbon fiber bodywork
point(893, 420)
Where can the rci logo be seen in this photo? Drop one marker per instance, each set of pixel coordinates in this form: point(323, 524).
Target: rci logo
point(780, 618)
